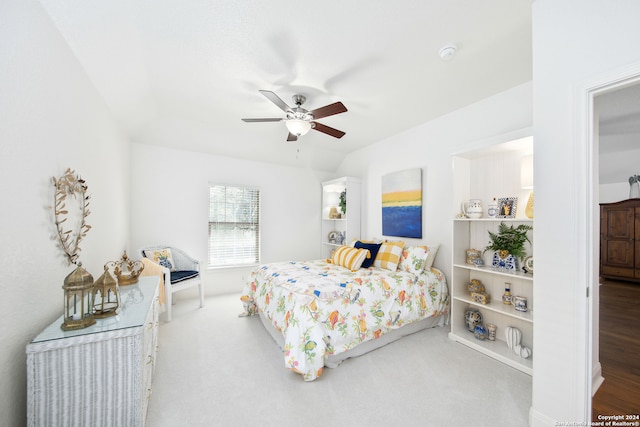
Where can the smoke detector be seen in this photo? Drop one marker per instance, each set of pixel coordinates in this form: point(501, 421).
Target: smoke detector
point(447, 52)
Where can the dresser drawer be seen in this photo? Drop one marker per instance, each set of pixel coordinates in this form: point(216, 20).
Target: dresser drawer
point(619, 272)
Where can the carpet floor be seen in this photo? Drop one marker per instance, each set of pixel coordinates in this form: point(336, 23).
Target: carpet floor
point(217, 369)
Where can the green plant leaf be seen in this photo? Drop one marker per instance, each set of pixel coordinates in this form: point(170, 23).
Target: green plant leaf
point(510, 238)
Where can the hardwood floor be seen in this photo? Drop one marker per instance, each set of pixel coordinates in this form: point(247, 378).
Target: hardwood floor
point(619, 350)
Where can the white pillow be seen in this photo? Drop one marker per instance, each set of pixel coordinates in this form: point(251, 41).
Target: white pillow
point(413, 259)
point(433, 251)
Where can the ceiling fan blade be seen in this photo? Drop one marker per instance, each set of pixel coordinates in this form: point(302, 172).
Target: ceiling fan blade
point(261, 120)
point(328, 130)
point(328, 110)
point(291, 137)
point(276, 100)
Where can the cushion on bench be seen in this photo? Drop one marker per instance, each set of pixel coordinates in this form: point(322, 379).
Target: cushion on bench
point(179, 276)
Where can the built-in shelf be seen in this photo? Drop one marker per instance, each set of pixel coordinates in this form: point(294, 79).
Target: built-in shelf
point(494, 220)
point(349, 224)
point(488, 174)
point(497, 271)
point(496, 349)
point(498, 306)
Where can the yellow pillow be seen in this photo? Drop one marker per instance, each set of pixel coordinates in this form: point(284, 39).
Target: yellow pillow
point(389, 255)
point(349, 257)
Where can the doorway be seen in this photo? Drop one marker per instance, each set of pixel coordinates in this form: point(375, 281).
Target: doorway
point(614, 129)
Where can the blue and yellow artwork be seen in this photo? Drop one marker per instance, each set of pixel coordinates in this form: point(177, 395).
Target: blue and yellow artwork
point(402, 204)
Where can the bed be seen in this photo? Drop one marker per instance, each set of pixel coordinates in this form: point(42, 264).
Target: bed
point(321, 312)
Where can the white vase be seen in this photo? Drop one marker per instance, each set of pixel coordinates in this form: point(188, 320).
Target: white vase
point(513, 337)
point(525, 352)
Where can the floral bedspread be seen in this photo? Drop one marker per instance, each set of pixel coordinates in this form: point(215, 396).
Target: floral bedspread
point(324, 309)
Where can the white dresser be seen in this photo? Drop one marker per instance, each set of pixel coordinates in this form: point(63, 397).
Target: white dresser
point(100, 375)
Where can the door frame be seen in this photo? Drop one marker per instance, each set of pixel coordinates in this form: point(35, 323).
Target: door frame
point(589, 224)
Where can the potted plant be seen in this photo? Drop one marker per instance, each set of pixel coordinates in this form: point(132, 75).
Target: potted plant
point(343, 202)
point(508, 244)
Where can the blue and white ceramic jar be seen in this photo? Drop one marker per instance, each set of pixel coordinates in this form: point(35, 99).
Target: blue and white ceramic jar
point(480, 332)
point(503, 259)
point(472, 318)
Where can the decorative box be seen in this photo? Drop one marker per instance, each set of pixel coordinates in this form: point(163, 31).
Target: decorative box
point(476, 286)
point(481, 297)
point(472, 255)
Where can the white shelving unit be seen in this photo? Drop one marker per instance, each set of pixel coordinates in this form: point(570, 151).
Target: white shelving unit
point(501, 315)
point(348, 224)
point(493, 171)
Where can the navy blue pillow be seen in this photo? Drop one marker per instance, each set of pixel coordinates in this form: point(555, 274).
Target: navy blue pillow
point(373, 251)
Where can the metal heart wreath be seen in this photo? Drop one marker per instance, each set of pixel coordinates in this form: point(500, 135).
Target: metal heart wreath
point(74, 219)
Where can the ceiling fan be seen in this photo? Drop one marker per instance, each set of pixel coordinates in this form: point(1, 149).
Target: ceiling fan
point(298, 120)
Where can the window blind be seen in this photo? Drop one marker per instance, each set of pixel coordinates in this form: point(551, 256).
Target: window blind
point(234, 225)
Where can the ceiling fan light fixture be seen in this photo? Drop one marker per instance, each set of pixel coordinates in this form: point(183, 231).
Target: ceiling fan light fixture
point(298, 127)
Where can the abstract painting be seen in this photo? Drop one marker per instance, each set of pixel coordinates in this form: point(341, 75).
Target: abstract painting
point(402, 204)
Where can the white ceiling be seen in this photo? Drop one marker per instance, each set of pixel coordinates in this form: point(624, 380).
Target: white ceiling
point(183, 73)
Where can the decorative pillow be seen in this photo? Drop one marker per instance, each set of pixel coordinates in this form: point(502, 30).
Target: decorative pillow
point(433, 251)
point(389, 255)
point(354, 241)
point(413, 259)
point(373, 249)
point(162, 257)
point(349, 257)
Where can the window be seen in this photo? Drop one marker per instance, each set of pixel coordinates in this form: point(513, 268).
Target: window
point(234, 225)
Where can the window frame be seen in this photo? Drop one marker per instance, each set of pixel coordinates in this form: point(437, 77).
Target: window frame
point(255, 251)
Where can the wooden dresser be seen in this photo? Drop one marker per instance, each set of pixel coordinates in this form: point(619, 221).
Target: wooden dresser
point(100, 375)
point(620, 240)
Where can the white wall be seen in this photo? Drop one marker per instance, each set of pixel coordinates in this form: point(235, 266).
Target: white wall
point(574, 43)
point(51, 118)
point(611, 160)
point(170, 205)
point(430, 146)
point(616, 165)
point(613, 192)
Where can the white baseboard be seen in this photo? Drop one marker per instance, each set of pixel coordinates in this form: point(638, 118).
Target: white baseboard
point(597, 379)
point(538, 419)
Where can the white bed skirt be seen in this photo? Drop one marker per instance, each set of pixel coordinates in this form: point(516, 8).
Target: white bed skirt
point(335, 359)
